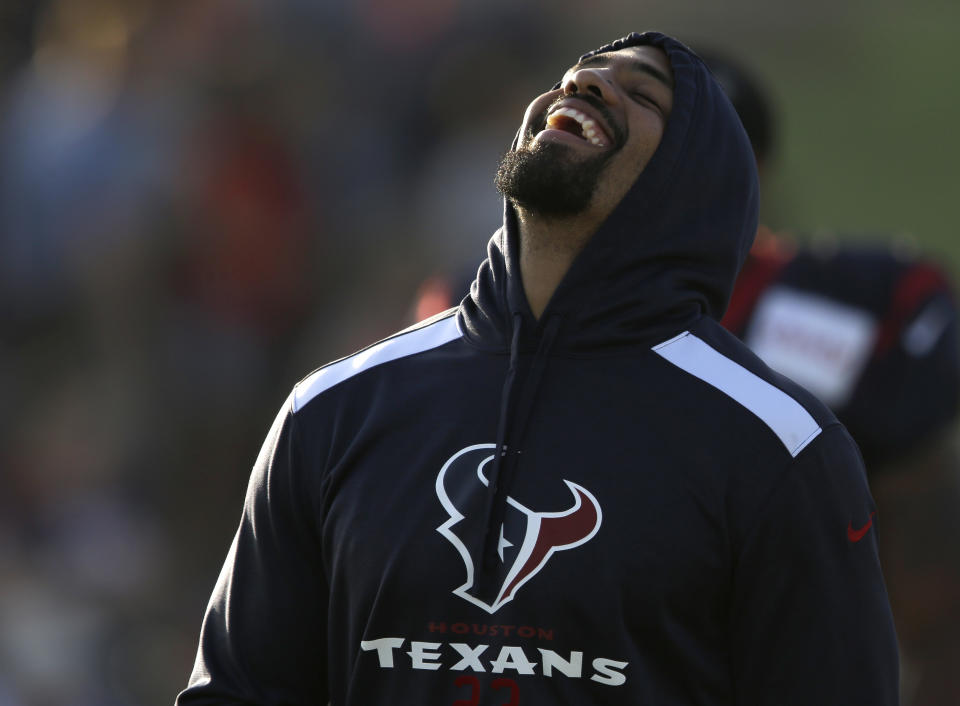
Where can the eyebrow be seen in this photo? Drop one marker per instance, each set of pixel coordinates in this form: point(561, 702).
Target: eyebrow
point(634, 64)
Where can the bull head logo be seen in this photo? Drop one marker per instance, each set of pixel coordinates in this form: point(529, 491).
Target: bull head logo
point(528, 538)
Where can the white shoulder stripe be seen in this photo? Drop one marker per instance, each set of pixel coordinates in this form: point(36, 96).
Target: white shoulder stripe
point(784, 415)
point(404, 344)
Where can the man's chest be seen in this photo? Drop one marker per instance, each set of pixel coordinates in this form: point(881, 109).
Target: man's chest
point(555, 525)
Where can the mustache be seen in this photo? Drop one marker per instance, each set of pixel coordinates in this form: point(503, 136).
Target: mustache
point(619, 134)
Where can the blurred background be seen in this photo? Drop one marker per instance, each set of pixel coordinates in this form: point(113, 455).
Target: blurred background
point(203, 200)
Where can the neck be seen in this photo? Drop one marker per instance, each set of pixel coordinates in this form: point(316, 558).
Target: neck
point(547, 249)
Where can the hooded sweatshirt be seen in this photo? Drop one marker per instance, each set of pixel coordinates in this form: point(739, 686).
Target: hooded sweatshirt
point(616, 503)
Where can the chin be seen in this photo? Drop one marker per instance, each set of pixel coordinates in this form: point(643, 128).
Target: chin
point(549, 179)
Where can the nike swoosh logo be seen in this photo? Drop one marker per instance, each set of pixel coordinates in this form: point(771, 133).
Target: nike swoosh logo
point(855, 535)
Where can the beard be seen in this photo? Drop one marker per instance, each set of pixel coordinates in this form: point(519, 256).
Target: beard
point(546, 181)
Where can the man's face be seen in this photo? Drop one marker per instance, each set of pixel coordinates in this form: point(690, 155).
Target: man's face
point(583, 145)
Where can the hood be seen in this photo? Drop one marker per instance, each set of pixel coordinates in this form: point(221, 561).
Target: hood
point(668, 253)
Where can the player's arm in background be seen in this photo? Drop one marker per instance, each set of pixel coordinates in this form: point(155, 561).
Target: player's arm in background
point(263, 638)
point(810, 617)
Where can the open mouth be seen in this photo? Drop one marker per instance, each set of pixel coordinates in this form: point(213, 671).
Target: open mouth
point(577, 123)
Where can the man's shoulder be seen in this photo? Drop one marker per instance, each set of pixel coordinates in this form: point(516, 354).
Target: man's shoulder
point(712, 355)
point(419, 338)
point(865, 275)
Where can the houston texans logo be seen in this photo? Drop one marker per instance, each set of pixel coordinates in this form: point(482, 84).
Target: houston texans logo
point(461, 488)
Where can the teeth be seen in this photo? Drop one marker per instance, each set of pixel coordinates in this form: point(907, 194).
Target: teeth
point(587, 125)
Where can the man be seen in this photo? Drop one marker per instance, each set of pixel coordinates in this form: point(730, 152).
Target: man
point(576, 488)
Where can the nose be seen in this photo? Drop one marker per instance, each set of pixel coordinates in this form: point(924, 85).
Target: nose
point(589, 80)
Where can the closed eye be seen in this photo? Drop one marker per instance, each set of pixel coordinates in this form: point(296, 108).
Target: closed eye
point(644, 99)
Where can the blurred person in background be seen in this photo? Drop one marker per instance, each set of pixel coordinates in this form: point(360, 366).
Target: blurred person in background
point(387, 550)
point(871, 328)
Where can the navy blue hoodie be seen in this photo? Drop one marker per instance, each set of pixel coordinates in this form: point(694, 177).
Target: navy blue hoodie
point(614, 504)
